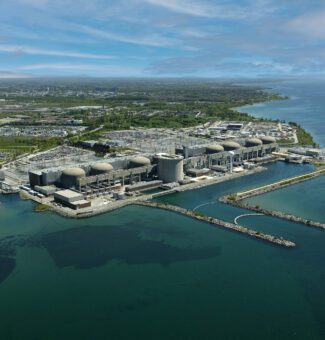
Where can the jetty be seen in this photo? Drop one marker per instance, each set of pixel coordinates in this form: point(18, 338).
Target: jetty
point(278, 185)
point(219, 223)
point(237, 199)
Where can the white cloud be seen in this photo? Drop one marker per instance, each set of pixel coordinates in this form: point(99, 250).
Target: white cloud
point(200, 9)
point(310, 24)
point(7, 75)
point(38, 51)
point(152, 40)
point(84, 68)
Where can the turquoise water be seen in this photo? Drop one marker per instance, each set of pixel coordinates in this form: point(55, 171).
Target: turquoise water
point(306, 199)
point(306, 106)
point(141, 273)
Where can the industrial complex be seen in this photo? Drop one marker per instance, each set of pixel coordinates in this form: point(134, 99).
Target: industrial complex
point(75, 178)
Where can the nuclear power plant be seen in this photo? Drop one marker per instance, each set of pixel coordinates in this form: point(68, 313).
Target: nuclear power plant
point(141, 172)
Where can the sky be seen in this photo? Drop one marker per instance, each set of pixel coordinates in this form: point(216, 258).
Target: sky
point(162, 38)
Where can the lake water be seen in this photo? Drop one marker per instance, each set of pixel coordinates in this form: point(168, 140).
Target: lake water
point(306, 106)
point(142, 273)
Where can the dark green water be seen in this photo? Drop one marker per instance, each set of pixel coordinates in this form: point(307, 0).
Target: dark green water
point(141, 273)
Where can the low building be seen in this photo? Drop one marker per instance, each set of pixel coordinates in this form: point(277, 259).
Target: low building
point(46, 190)
point(219, 168)
point(141, 186)
point(198, 172)
point(71, 199)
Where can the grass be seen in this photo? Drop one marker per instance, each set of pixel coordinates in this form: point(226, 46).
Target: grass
point(41, 207)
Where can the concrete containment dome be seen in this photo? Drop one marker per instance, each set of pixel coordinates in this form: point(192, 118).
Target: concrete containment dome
point(74, 172)
point(100, 168)
point(268, 140)
point(249, 142)
point(69, 177)
point(231, 145)
point(139, 161)
point(170, 168)
point(214, 148)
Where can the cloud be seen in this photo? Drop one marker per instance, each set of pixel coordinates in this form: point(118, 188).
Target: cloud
point(84, 68)
point(310, 25)
point(20, 50)
point(10, 75)
point(200, 9)
point(150, 40)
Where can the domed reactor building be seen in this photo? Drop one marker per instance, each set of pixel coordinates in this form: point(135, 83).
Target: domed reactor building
point(70, 176)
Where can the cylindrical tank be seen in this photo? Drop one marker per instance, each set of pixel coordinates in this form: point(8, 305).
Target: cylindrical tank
point(250, 142)
point(139, 161)
point(100, 168)
point(170, 168)
point(268, 140)
point(230, 145)
point(70, 177)
point(214, 148)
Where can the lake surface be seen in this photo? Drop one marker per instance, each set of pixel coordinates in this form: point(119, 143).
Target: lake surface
point(305, 199)
point(142, 273)
point(306, 106)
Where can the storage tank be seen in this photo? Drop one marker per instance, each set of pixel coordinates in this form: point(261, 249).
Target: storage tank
point(70, 176)
point(230, 145)
point(139, 161)
point(170, 168)
point(100, 168)
point(250, 142)
point(214, 148)
point(268, 140)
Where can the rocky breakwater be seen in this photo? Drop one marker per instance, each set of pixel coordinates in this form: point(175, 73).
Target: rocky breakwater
point(236, 199)
point(239, 203)
point(219, 223)
point(277, 185)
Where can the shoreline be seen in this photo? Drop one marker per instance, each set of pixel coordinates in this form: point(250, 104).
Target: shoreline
point(111, 206)
point(146, 201)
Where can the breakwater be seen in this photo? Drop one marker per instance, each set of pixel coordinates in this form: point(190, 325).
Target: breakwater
point(278, 185)
point(219, 223)
point(236, 199)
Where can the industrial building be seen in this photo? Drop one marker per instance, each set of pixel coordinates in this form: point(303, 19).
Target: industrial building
point(71, 199)
point(140, 172)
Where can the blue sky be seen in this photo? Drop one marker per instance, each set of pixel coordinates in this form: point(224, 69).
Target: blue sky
point(167, 38)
